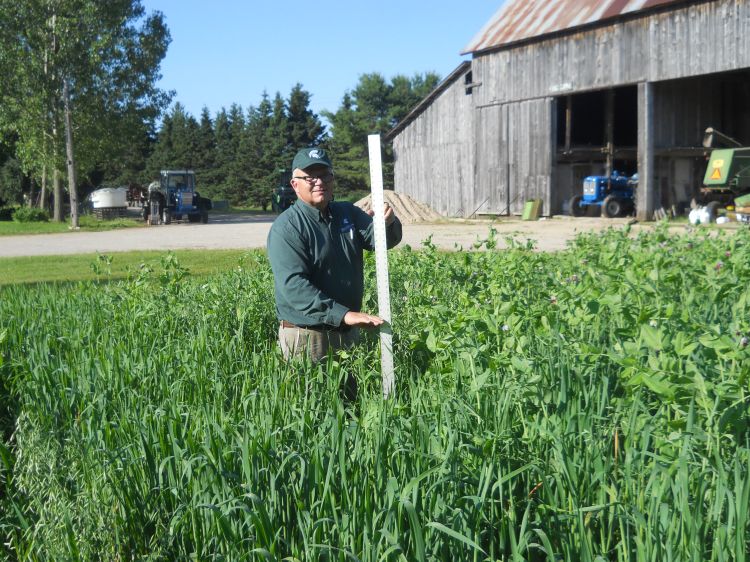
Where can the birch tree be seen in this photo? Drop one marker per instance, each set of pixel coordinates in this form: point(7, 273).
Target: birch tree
point(79, 82)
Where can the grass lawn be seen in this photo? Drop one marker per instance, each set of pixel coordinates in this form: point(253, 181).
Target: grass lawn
point(119, 265)
point(87, 223)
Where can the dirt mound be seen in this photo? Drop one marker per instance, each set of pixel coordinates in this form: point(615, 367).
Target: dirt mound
point(407, 209)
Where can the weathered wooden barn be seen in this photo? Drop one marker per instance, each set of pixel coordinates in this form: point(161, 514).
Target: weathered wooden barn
point(560, 89)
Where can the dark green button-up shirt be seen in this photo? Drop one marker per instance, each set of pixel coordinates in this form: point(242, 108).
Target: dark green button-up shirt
point(317, 261)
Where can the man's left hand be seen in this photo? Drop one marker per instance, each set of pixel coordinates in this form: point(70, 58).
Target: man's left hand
point(388, 214)
point(362, 320)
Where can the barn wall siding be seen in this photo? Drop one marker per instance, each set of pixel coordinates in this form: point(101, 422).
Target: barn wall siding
point(491, 151)
point(434, 155)
point(530, 152)
point(695, 40)
point(492, 177)
point(434, 158)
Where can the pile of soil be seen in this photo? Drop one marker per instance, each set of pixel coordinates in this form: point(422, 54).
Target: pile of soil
point(407, 209)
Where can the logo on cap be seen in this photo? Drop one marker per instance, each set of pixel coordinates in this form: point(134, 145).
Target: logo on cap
point(315, 153)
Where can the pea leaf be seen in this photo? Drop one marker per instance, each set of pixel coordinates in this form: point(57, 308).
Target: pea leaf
point(652, 337)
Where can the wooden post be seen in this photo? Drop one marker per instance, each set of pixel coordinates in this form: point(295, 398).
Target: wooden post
point(645, 194)
point(505, 113)
point(568, 122)
point(609, 130)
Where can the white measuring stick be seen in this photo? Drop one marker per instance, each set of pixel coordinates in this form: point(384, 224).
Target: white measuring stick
point(381, 266)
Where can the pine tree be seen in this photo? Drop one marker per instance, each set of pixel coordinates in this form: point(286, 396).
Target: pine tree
point(304, 126)
point(374, 106)
point(253, 154)
point(205, 157)
point(225, 155)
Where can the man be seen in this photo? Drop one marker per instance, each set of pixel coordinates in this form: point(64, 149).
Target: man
point(315, 248)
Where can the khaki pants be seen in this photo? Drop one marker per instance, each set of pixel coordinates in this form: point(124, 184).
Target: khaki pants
point(315, 344)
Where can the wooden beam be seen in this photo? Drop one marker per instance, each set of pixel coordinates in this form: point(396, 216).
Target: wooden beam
point(609, 130)
point(646, 182)
point(568, 121)
point(549, 206)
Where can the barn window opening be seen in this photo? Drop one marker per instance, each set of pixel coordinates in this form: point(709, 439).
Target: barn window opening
point(469, 83)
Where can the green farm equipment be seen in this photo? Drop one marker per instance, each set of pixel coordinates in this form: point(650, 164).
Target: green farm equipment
point(283, 195)
point(742, 208)
point(727, 174)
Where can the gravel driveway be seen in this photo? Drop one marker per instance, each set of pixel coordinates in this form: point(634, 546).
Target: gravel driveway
point(250, 231)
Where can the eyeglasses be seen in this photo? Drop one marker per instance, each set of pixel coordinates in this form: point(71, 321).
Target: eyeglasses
point(328, 178)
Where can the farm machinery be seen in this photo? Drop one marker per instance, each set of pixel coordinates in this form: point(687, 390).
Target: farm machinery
point(727, 178)
point(283, 195)
point(173, 197)
point(614, 196)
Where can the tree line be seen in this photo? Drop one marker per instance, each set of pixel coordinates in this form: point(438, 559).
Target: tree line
point(79, 109)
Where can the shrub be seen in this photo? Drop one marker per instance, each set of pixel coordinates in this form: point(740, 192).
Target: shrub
point(6, 213)
point(30, 214)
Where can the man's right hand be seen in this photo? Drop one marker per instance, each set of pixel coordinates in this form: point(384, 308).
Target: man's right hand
point(362, 320)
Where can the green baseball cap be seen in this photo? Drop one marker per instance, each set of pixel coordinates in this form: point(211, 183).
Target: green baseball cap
point(311, 156)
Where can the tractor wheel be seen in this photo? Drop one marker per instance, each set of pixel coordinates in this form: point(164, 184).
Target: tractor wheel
point(611, 207)
point(712, 208)
point(166, 216)
point(204, 217)
point(575, 206)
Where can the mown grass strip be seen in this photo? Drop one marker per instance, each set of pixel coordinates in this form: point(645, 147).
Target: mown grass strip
point(114, 266)
point(87, 223)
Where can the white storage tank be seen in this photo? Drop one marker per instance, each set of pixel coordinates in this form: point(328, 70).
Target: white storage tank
point(109, 202)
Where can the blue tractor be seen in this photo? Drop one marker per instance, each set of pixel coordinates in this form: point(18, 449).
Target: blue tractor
point(614, 196)
point(174, 197)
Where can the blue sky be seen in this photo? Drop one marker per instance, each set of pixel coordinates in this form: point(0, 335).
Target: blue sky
point(230, 51)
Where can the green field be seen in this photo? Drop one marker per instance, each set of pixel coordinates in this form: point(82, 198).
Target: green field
point(114, 266)
point(588, 405)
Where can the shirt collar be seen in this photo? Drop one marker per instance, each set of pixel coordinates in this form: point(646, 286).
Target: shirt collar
point(314, 213)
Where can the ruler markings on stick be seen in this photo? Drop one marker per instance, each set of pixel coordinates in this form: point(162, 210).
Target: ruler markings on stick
point(381, 265)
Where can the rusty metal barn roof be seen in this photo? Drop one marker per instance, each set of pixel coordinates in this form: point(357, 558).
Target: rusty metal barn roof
point(520, 20)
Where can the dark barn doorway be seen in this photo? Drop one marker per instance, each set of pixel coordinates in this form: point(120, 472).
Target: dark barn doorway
point(597, 134)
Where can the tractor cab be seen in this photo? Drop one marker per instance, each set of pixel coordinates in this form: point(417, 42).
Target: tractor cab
point(174, 196)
